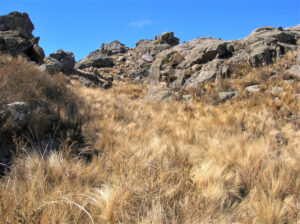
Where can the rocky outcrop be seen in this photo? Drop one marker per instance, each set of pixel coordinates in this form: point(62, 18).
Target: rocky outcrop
point(60, 61)
point(191, 63)
point(167, 38)
point(17, 21)
point(267, 43)
point(16, 37)
point(209, 49)
point(160, 43)
point(204, 59)
point(95, 59)
point(114, 47)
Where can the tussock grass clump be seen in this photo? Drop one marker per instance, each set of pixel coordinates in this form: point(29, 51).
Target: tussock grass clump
point(22, 81)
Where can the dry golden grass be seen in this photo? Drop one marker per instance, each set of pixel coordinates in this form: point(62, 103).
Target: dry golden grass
point(175, 162)
point(22, 81)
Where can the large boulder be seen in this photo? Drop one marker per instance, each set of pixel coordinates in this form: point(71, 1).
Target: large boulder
point(95, 59)
point(270, 35)
point(60, 61)
point(207, 73)
point(17, 21)
point(16, 37)
point(207, 50)
point(167, 38)
point(158, 93)
point(266, 44)
point(114, 47)
point(260, 56)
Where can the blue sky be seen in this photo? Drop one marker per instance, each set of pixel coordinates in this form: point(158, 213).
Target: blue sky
point(82, 26)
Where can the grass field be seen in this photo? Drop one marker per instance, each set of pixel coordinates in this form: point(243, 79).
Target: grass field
point(176, 162)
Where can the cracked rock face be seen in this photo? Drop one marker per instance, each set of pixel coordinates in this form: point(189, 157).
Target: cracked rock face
point(205, 59)
point(16, 37)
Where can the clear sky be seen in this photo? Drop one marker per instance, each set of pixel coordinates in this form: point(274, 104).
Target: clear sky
point(82, 26)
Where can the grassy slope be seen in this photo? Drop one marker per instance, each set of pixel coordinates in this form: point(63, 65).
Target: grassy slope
point(168, 162)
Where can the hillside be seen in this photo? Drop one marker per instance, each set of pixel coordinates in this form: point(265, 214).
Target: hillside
point(205, 131)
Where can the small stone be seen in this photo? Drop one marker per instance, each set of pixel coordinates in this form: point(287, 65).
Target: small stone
point(253, 89)
point(228, 95)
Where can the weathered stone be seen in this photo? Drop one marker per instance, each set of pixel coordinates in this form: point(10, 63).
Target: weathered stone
point(147, 57)
point(144, 47)
point(207, 50)
point(167, 38)
point(204, 59)
point(95, 59)
point(17, 113)
point(13, 42)
point(114, 47)
point(253, 89)
point(158, 94)
point(17, 21)
point(16, 37)
point(270, 35)
point(153, 47)
point(261, 29)
point(208, 72)
point(59, 61)
point(260, 56)
point(223, 96)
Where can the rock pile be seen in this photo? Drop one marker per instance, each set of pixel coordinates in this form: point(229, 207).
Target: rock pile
point(59, 61)
point(165, 62)
point(16, 37)
point(204, 59)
